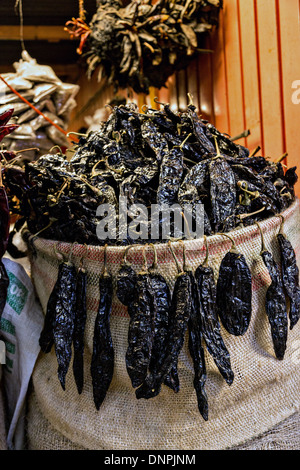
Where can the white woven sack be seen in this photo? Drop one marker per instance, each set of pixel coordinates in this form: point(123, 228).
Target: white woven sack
point(265, 390)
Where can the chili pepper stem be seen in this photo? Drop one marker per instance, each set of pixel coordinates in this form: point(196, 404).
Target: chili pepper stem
point(263, 246)
point(245, 216)
point(233, 248)
point(45, 228)
point(154, 264)
point(205, 262)
point(190, 97)
point(180, 271)
point(255, 194)
point(76, 133)
point(159, 102)
point(279, 160)
point(281, 225)
point(254, 152)
point(105, 271)
point(187, 226)
point(243, 134)
point(56, 146)
point(217, 148)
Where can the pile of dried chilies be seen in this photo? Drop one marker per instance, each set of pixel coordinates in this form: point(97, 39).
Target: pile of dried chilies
point(156, 157)
point(141, 44)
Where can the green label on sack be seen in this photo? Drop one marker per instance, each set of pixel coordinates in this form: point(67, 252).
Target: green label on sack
point(7, 326)
point(17, 293)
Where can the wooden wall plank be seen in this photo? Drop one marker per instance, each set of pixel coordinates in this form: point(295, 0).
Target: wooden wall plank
point(219, 78)
point(269, 78)
point(206, 85)
point(250, 72)
point(193, 83)
point(288, 16)
point(181, 85)
point(236, 123)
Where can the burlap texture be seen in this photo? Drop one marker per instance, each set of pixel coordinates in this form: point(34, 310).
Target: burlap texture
point(265, 391)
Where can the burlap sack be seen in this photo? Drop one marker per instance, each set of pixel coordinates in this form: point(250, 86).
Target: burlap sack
point(265, 391)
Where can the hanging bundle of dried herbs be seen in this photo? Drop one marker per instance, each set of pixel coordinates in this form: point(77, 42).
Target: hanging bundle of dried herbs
point(141, 44)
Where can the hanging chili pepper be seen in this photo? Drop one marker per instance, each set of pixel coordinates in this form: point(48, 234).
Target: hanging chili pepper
point(290, 275)
point(275, 303)
point(162, 303)
point(180, 311)
point(102, 365)
point(79, 327)
point(160, 317)
point(140, 335)
point(5, 130)
point(195, 343)
point(5, 116)
point(210, 326)
point(234, 292)
point(126, 281)
point(46, 339)
point(65, 308)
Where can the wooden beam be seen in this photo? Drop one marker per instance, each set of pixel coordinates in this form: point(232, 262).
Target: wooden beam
point(34, 33)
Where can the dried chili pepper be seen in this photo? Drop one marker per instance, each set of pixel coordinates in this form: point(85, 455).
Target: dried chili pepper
point(152, 136)
point(234, 292)
point(126, 281)
point(160, 319)
point(65, 308)
point(291, 176)
point(46, 339)
point(79, 327)
point(222, 190)
point(5, 130)
point(195, 344)
point(180, 312)
point(198, 128)
point(275, 302)
point(102, 366)
point(290, 275)
point(5, 117)
point(171, 173)
point(140, 336)
point(210, 326)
